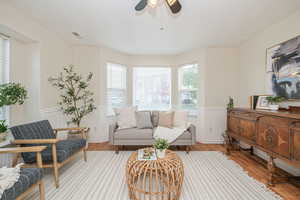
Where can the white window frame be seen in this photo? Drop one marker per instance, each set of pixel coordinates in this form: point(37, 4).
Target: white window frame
point(192, 112)
point(4, 72)
point(150, 67)
point(125, 91)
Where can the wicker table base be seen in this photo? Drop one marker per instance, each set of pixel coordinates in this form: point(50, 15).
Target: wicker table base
point(160, 179)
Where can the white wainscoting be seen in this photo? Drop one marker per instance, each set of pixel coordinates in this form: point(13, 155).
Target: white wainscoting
point(211, 125)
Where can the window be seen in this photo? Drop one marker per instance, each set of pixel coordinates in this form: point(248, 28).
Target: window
point(152, 88)
point(4, 63)
point(188, 86)
point(116, 86)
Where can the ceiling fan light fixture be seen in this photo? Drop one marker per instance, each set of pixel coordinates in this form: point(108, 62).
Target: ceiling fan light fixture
point(153, 3)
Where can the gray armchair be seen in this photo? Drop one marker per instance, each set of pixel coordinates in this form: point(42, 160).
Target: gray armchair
point(57, 153)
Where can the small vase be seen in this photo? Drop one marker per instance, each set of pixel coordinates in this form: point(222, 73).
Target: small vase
point(160, 153)
point(3, 136)
point(274, 107)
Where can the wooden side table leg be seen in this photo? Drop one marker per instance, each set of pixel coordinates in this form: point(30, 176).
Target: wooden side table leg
point(272, 169)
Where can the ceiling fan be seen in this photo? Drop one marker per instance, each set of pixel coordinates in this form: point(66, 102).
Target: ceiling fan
point(174, 5)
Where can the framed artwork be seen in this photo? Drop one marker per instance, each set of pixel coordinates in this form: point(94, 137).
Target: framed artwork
point(283, 68)
point(262, 102)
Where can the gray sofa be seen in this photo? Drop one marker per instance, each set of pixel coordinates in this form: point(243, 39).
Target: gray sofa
point(144, 137)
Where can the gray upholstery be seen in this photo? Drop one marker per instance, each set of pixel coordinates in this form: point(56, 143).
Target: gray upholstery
point(43, 130)
point(143, 119)
point(28, 177)
point(155, 118)
point(134, 133)
point(135, 136)
point(35, 130)
point(64, 149)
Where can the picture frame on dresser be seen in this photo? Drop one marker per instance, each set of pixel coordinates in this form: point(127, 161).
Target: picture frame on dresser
point(262, 102)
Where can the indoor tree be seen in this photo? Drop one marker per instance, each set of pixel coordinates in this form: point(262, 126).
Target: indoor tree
point(76, 100)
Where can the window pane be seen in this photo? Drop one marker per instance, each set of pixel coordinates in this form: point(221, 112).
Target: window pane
point(116, 87)
point(188, 77)
point(188, 99)
point(188, 86)
point(152, 88)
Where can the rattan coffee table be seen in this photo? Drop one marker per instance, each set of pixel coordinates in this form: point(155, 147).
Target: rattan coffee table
point(159, 179)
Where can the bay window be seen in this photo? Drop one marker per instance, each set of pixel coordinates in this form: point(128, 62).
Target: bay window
point(152, 88)
point(116, 86)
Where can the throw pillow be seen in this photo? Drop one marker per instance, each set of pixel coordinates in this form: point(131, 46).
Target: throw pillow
point(126, 117)
point(166, 119)
point(143, 119)
point(180, 119)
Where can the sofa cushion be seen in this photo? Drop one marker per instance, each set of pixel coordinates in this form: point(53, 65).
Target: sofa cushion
point(143, 119)
point(34, 130)
point(155, 118)
point(64, 149)
point(126, 117)
point(134, 133)
point(28, 177)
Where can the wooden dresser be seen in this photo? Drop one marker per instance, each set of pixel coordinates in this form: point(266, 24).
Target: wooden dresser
point(275, 132)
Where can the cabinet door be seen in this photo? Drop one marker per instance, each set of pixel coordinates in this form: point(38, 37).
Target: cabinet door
point(247, 129)
point(273, 135)
point(295, 146)
point(233, 125)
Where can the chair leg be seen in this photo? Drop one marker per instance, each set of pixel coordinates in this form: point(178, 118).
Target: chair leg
point(55, 165)
point(42, 190)
point(84, 155)
point(117, 149)
point(187, 149)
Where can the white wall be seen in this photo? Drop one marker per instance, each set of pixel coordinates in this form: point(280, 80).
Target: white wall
point(252, 76)
point(36, 54)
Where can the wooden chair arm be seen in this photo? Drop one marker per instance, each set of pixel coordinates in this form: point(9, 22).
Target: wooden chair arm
point(71, 129)
point(36, 141)
point(22, 149)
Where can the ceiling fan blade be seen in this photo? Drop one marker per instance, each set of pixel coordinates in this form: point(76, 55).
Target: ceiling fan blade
point(141, 5)
point(174, 5)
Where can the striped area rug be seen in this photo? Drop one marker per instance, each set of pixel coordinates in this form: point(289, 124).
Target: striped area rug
point(208, 176)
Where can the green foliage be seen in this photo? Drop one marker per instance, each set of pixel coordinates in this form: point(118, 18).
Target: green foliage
point(230, 104)
point(3, 126)
point(275, 99)
point(12, 93)
point(190, 79)
point(161, 144)
point(76, 100)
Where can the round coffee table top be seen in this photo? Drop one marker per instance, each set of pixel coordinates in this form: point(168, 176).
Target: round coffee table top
point(161, 178)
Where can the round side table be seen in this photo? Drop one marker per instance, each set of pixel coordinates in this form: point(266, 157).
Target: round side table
point(155, 179)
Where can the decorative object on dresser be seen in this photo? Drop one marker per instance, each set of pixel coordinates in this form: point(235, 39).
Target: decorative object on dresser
point(230, 104)
point(274, 132)
point(274, 102)
point(262, 102)
point(283, 68)
point(155, 179)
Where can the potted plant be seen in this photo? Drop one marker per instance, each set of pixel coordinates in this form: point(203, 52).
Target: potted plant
point(3, 130)
point(274, 101)
point(76, 99)
point(160, 146)
point(10, 94)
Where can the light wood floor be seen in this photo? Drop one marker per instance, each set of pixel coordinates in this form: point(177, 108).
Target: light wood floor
point(252, 164)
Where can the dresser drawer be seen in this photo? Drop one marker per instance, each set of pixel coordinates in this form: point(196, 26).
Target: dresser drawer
point(273, 135)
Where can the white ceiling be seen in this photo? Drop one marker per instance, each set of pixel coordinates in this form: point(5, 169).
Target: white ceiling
point(115, 24)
